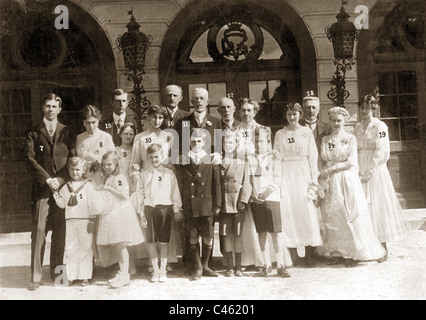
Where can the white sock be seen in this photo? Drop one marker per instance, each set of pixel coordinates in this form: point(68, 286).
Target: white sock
point(155, 265)
point(163, 264)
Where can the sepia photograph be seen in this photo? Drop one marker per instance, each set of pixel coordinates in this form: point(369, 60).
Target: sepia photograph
point(209, 155)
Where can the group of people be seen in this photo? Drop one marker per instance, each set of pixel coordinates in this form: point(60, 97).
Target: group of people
point(112, 195)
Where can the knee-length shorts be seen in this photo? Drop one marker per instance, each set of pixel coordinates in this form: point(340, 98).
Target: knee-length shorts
point(159, 223)
point(231, 223)
point(267, 216)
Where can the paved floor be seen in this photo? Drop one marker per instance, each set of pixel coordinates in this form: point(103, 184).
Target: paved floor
point(402, 277)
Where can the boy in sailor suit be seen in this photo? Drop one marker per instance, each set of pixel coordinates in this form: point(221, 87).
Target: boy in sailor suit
point(76, 198)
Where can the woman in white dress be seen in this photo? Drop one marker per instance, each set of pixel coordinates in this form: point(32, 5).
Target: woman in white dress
point(373, 154)
point(297, 146)
point(349, 233)
point(92, 144)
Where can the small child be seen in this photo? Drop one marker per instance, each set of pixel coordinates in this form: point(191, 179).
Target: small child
point(158, 199)
point(266, 197)
point(75, 197)
point(139, 161)
point(120, 227)
point(127, 134)
point(236, 192)
point(202, 200)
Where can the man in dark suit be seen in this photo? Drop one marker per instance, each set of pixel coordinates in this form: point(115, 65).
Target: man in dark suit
point(172, 96)
point(49, 146)
point(226, 108)
point(311, 109)
point(119, 117)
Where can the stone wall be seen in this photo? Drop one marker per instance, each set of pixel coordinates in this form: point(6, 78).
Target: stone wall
point(155, 17)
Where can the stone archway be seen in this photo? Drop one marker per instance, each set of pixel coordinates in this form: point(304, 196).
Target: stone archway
point(276, 17)
point(36, 58)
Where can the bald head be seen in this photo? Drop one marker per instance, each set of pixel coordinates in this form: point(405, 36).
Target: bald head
point(226, 108)
point(172, 96)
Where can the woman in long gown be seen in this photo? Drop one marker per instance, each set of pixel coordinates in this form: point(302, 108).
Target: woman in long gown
point(349, 233)
point(91, 145)
point(373, 154)
point(297, 146)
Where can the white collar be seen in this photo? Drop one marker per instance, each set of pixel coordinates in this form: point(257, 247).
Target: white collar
point(311, 122)
point(172, 111)
point(48, 123)
point(200, 154)
point(159, 169)
point(117, 117)
point(200, 116)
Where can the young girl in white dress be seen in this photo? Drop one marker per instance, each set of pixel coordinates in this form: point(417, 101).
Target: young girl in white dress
point(299, 152)
point(120, 227)
point(92, 144)
point(373, 154)
point(127, 134)
point(349, 233)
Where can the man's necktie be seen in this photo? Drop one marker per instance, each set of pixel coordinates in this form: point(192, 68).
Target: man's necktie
point(120, 123)
point(51, 131)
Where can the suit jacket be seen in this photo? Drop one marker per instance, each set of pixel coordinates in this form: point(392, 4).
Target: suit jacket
point(187, 123)
point(234, 125)
point(235, 184)
point(109, 126)
point(322, 129)
point(200, 188)
point(47, 157)
point(172, 123)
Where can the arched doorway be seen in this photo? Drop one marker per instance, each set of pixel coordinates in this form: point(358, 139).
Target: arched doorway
point(391, 58)
point(76, 63)
point(243, 49)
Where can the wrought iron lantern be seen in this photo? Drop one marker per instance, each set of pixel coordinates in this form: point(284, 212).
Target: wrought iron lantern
point(134, 44)
point(342, 34)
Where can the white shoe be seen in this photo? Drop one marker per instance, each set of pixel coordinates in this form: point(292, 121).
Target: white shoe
point(162, 277)
point(124, 280)
point(116, 278)
point(155, 277)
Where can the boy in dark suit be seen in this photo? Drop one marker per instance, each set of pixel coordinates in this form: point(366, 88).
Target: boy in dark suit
point(49, 146)
point(113, 124)
point(202, 200)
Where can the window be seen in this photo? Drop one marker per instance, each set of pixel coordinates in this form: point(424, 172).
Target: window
point(272, 96)
point(15, 120)
point(399, 104)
